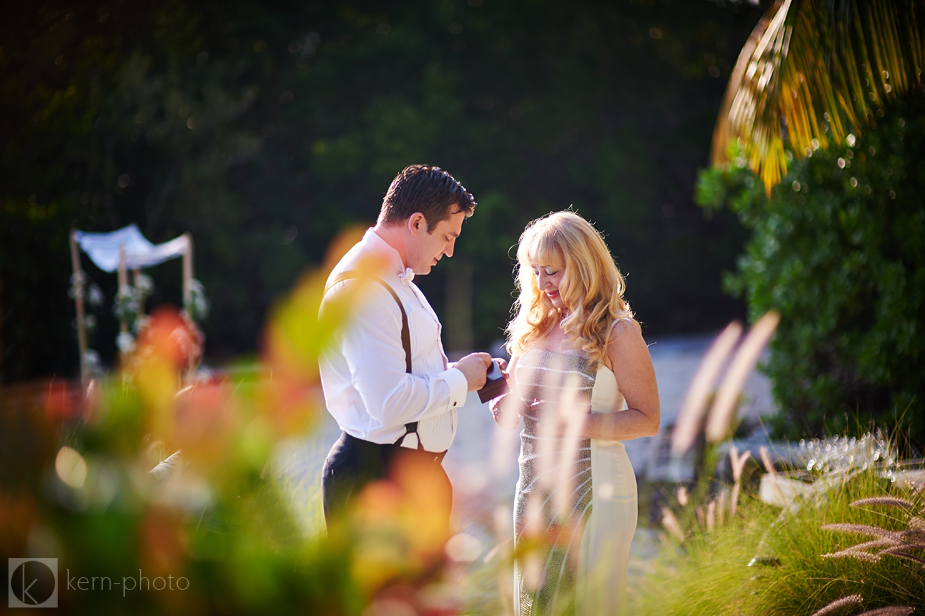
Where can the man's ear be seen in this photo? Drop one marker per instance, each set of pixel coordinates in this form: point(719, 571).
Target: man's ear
point(417, 223)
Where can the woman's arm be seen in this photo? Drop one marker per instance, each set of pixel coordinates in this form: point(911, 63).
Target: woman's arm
point(628, 357)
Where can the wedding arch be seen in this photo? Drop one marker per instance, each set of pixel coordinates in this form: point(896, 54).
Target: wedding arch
point(120, 251)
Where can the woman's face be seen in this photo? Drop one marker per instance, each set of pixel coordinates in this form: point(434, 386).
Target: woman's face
point(548, 278)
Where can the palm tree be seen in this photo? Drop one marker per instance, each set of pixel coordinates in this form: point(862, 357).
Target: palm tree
point(817, 71)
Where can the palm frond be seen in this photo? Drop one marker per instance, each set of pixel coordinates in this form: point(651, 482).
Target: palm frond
point(815, 71)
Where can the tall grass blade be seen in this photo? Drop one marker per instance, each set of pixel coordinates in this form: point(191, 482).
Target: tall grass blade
point(671, 524)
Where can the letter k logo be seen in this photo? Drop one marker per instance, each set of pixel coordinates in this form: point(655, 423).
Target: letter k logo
point(33, 582)
point(26, 589)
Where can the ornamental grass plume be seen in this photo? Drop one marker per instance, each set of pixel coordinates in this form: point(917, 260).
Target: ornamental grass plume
point(893, 543)
point(571, 436)
point(724, 405)
point(834, 606)
point(695, 402)
point(738, 465)
point(713, 516)
point(671, 524)
point(765, 456)
point(839, 603)
point(548, 430)
point(856, 481)
point(885, 500)
point(772, 472)
point(738, 462)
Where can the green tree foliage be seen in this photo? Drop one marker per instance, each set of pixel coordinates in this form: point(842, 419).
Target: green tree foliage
point(839, 251)
point(266, 128)
point(111, 119)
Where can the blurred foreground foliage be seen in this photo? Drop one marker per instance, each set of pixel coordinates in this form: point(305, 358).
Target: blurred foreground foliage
point(214, 524)
point(220, 526)
point(839, 251)
point(265, 128)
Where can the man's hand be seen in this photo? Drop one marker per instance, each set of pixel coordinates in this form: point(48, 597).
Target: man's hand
point(475, 367)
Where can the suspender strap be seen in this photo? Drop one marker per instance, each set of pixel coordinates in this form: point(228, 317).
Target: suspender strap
point(405, 331)
point(411, 427)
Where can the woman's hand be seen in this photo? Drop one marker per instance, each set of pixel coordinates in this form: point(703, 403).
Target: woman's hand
point(540, 409)
point(507, 410)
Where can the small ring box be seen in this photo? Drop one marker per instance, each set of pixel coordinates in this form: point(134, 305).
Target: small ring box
point(495, 383)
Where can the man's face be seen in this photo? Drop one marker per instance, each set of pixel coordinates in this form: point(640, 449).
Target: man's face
point(430, 245)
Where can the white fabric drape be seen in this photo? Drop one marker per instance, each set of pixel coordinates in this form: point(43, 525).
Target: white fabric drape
point(103, 248)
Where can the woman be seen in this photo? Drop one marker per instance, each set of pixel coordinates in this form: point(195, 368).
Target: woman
point(583, 381)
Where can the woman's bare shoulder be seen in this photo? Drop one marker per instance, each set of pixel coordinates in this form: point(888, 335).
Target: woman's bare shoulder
point(622, 329)
point(625, 336)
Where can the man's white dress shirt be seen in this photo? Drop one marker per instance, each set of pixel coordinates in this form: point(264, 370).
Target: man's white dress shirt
point(366, 388)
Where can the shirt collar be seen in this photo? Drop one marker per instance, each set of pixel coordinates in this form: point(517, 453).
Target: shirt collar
point(396, 266)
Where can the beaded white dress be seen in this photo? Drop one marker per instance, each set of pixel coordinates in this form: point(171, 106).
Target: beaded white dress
point(575, 507)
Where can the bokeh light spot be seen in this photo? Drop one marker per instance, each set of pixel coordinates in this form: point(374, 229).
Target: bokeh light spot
point(463, 548)
point(71, 467)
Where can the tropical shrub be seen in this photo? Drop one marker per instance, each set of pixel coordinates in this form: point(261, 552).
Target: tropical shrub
point(838, 250)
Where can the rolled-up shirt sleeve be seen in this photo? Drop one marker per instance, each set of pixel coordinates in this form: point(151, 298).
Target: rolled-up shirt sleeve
point(372, 347)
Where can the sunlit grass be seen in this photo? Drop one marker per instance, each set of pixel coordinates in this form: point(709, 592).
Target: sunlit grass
point(709, 573)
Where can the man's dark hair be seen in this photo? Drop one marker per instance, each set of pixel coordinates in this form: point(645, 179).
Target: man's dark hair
point(426, 189)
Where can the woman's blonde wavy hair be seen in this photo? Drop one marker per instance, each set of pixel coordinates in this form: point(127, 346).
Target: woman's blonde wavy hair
point(591, 287)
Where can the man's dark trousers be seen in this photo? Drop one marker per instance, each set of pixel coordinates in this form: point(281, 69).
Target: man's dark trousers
point(353, 463)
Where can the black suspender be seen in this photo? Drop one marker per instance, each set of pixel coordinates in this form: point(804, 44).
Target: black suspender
point(405, 331)
point(411, 427)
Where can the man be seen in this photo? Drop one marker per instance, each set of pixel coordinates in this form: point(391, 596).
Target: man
point(386, 379)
